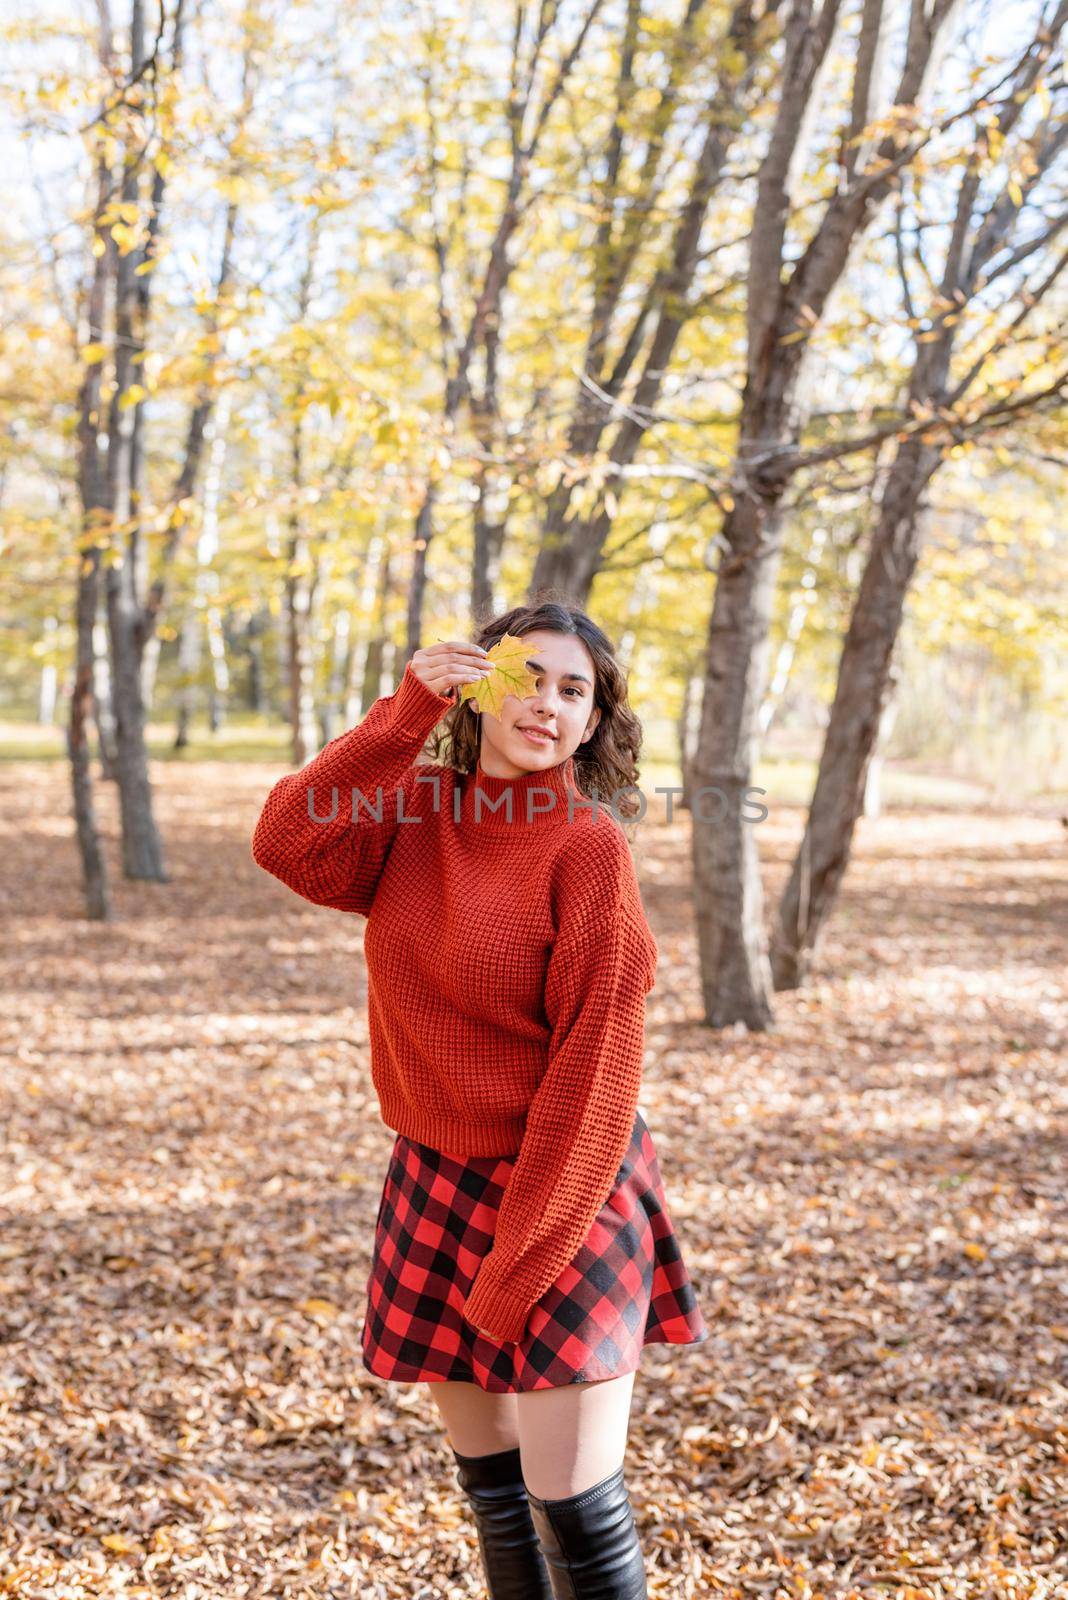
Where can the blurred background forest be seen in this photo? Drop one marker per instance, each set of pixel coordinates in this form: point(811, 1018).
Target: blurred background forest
point(323, 325)
point(329, 330)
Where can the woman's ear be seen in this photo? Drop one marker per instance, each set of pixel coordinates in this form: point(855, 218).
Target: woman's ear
point(591, 726)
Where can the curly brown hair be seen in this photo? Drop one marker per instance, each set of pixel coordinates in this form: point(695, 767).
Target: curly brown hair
point(607, 761)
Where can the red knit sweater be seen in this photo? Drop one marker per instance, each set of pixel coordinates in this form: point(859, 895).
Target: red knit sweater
point(507, 967)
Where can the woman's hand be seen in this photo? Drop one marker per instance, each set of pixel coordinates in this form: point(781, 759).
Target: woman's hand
point(450, 662)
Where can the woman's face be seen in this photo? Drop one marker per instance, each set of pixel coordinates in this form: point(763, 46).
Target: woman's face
point(562, 706)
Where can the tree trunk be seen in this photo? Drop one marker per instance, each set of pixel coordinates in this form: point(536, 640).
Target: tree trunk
point(872, 805)
point(103, 712)
point(208, 551)
point(301, 661)
point(863, 675)
point(150, 671)
point(333, 700)
point(256, 686)
point(365, 669)
point(373, 667)
point(48, 687)
point(689, 719)
point(488, 544)
point(298, 594)
point(94, 869)
point(424, 527)
point(202, 612)
point(734, 969)
point(188, 687)
point(351, 652)
point(795, 623)
point(92, 488)
point(142, 850)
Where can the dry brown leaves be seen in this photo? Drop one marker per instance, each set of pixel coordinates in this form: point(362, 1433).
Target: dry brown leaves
point(870, 1197)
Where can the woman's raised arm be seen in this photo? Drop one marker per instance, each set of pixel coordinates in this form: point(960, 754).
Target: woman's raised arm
point(337, 861)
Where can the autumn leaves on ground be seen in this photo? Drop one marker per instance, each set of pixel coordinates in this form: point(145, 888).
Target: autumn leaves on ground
point(871, 1199)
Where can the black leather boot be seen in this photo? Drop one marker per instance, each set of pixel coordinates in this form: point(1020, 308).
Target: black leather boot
point(509, 1546)
point(591, 1543)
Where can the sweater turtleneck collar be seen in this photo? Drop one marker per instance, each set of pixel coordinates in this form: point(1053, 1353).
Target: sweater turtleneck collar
point(548, 788)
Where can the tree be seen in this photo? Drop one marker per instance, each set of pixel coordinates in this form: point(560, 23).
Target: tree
point(527, 115)
point(93, 490)
point(785, 301)
point(987, 244)
point(134, 234)
point(635, 324)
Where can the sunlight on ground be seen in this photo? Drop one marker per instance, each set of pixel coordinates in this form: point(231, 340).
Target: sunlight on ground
point(868, 1196)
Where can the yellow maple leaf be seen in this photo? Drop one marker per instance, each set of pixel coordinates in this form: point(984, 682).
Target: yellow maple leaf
point(510, 675)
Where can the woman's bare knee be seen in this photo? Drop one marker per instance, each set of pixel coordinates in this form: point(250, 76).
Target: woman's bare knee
point(476, 1423)
point(571, 1438)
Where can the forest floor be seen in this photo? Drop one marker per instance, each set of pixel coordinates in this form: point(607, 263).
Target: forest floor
point(870, 1199)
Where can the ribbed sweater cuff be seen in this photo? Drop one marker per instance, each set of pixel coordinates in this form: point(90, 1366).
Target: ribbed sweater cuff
point(495, 1311)
point(415, 708)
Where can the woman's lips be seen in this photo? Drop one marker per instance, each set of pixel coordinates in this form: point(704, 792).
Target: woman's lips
point(535, 736)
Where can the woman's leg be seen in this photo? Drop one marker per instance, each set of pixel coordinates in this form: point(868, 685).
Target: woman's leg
point(572, 1442)
point(477, 1423)
point(483, 1434)
point(573, 1437)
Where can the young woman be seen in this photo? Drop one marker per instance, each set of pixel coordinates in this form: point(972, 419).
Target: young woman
point(523, 1249)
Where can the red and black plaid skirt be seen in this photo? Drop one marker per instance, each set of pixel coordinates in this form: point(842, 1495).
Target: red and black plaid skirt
point(625, 1288)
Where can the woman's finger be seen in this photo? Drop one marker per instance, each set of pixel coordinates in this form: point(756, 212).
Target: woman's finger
point(459, 646)
point(442, 678)
point(462, 664)
point(449, 662)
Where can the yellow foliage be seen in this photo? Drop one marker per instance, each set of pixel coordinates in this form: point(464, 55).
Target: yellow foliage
point(127, 238)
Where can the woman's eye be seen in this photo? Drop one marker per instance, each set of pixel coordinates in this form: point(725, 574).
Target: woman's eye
point(572, 688)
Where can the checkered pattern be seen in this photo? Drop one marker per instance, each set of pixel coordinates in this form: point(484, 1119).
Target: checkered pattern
point(625, 1288)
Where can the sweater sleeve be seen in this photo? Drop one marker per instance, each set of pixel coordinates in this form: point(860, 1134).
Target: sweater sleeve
point(339, 862)
point(581, 1117)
